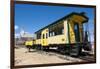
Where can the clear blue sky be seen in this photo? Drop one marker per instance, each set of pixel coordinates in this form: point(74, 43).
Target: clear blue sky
point(34, 17)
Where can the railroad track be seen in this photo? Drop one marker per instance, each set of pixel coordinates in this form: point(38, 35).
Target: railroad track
point(82, 57)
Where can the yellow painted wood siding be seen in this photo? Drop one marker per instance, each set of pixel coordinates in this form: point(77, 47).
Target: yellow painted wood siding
point(38, 41)
point(66, 30)
point(29, 43)
point(71, 31)
point(59, 39)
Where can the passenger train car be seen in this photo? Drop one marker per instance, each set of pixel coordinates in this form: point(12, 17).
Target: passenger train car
point(66, 34)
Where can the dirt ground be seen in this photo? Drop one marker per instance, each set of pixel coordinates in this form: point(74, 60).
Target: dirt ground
point(23, 57)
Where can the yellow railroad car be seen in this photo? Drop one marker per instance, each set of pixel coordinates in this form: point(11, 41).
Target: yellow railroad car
point(29, 43)
point(66, 34)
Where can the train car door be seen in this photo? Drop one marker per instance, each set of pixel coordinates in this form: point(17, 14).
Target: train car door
point(76, 32)
point(44, 39)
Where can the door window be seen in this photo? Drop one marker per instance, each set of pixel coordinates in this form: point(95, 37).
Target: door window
point(43, 36)
point(76, 31)
point(46, 35)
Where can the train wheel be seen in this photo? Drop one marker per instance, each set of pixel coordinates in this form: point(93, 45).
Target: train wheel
point(47, 48)
point(44, 48)
point(38, 47)
point(33, 46)
point(61, 49)
point(75, 50)
point(28, 47)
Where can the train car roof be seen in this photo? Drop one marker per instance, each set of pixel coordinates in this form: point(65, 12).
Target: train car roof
point(65, 17)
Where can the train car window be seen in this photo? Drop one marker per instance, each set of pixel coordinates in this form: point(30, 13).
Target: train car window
point(49, 34)
point(46, 35)
point(62, 31)
point(38, 35)
point(58, 31)
point(53, 33)
point(43, 36)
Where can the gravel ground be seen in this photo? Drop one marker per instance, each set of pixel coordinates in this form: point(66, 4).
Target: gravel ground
point(23, 57)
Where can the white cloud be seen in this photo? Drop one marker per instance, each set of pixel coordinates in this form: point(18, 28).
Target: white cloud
point(16, 27)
